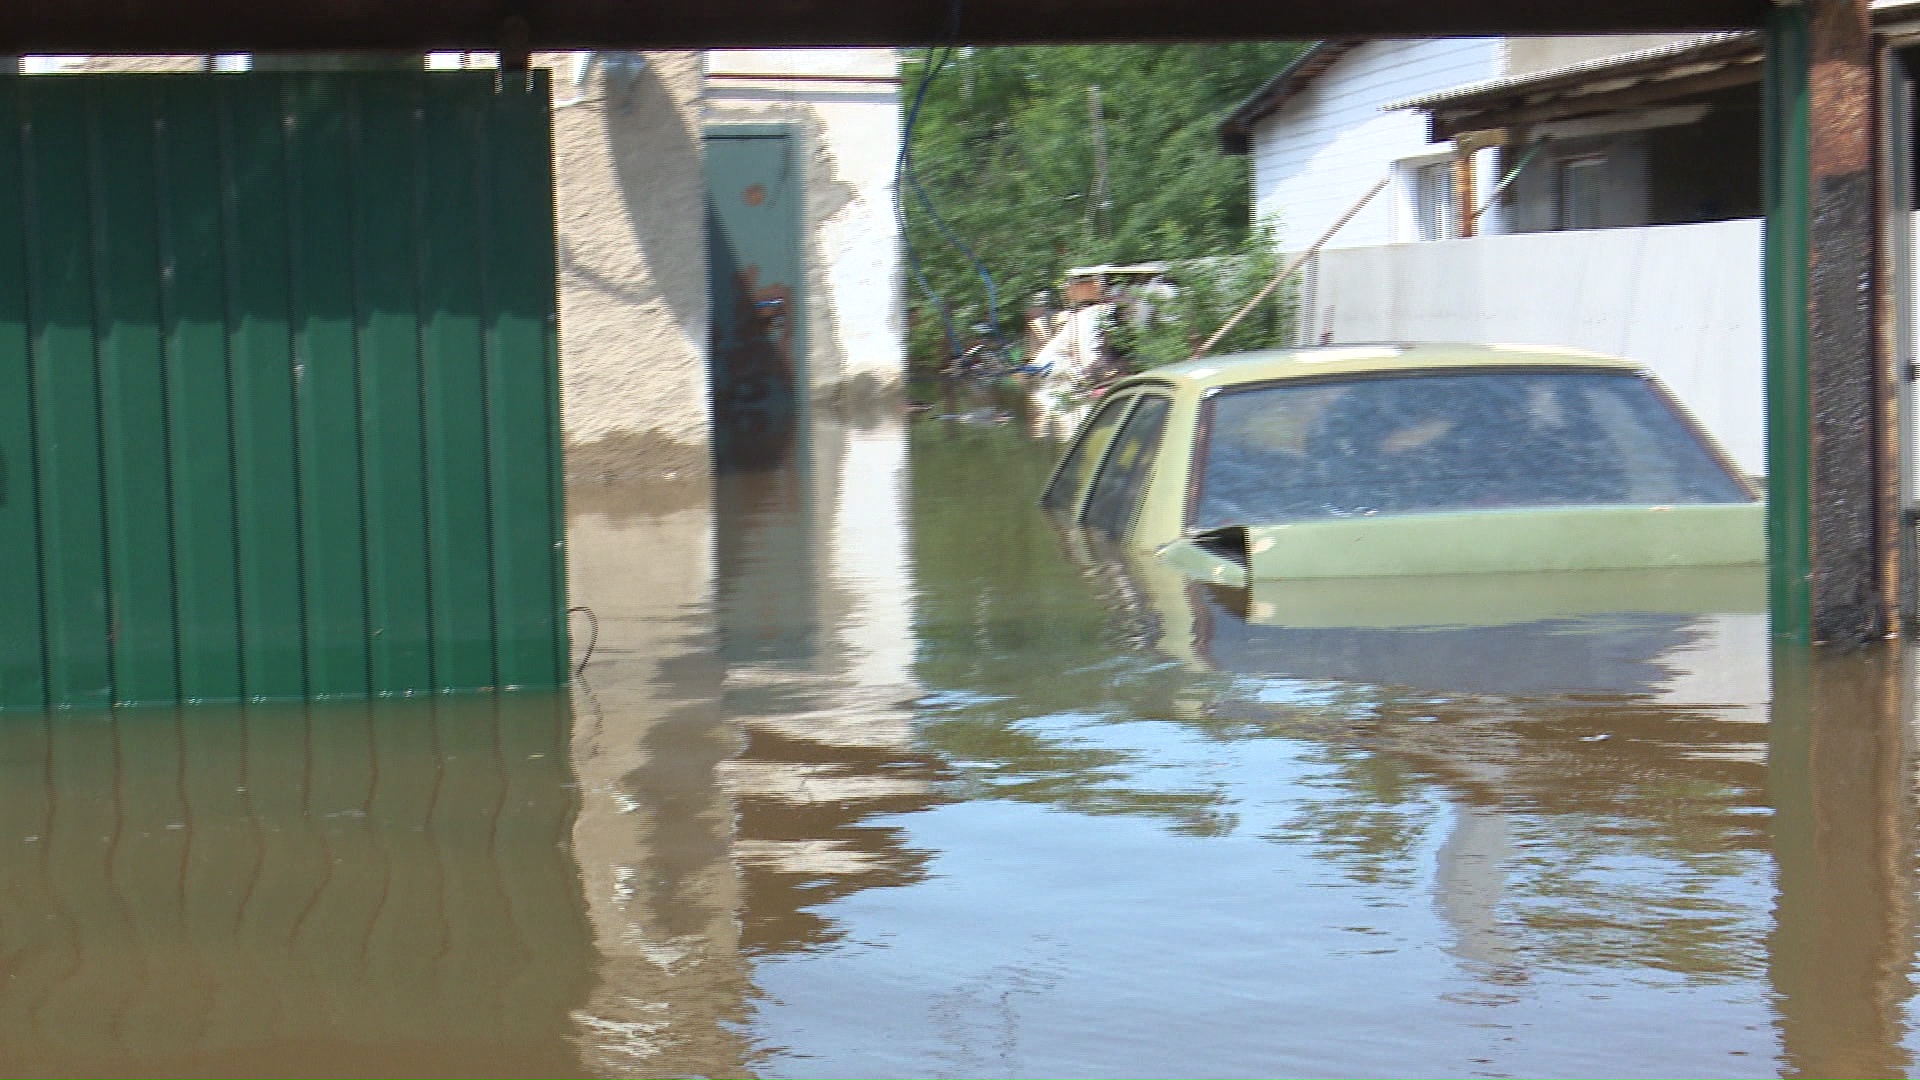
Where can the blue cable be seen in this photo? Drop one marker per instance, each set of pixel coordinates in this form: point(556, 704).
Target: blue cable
point(993, 301)
point(903, 169)
point(900, 172)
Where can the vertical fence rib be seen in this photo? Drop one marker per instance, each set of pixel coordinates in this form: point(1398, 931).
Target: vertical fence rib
point(73, 564)
point(23, 674)
point(126, 260)
point(199, 415)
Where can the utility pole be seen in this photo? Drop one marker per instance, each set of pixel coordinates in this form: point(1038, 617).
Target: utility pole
point(1102, 208)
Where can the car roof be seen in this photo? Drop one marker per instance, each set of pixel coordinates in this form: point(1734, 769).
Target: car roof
point(1276, 364)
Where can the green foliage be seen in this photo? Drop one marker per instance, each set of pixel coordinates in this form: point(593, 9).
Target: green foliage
point(1209, 292)
point(1004, 148)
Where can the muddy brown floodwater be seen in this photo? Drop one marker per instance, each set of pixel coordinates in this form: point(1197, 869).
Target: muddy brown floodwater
point(872, 774)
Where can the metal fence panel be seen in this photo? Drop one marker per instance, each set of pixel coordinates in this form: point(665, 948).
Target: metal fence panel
point(278, 388)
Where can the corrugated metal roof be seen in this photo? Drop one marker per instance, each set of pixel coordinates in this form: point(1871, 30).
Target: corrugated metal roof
point(1659, 57)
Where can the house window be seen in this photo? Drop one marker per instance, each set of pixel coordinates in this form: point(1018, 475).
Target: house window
point(1433, 201)
point(1582, 190)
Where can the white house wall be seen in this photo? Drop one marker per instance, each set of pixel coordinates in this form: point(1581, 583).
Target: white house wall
point(1685, 299)
point(850, 127)
point(1323, 149)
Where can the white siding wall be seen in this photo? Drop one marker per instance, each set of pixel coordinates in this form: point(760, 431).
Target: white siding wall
point(1684, 299)
point(1327, 146)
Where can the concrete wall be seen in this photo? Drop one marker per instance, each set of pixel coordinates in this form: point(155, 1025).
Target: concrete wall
point(1527, 55)
point(849, 124)
point(1685, 299)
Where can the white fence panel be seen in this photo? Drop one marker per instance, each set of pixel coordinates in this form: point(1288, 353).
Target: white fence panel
point(1683, 299)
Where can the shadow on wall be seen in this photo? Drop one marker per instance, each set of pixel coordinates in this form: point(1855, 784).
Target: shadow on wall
point(652, 146)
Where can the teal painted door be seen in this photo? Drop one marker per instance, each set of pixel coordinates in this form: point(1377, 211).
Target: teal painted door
point(755, 279)
point(763, 495)
point(279, 411)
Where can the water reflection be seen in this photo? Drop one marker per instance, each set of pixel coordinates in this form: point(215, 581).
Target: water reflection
point(1584, 797)
point(1840, 957)
point(870, 773)
point(751, 708)
point(338, 890)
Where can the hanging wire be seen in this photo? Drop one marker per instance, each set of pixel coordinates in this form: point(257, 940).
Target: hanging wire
point(593, 637)
point(901, 168)
point(904, 170)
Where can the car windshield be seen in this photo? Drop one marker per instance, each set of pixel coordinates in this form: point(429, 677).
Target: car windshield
point(1435, 442)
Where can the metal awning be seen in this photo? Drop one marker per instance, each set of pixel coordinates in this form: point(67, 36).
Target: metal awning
point(1632, 80)
point(214, 26)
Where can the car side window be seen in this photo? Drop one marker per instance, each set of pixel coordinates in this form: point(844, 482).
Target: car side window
point(1122, 480)
point(1070, 481)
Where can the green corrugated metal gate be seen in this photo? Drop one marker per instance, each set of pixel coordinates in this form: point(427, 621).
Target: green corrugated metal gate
point(279, 394)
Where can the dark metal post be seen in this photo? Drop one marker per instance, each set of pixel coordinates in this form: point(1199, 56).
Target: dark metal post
point(1784, 257)
point(1829, 511)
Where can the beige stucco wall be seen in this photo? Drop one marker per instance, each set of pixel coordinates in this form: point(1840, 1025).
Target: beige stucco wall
point(633, 285)
point(845, 105)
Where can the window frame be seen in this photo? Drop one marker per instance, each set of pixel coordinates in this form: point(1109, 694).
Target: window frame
point(1594, 165)
point(1136, 499)
point(1440, 217)
point(1123, 402)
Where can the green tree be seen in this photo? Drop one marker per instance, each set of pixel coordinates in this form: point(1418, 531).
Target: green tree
point(1208, 292)
point(1003, 148)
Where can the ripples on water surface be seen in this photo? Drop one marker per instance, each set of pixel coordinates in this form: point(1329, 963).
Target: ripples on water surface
point(872, 773)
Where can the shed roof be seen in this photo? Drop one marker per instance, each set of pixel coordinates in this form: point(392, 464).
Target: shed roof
point(1629, 79)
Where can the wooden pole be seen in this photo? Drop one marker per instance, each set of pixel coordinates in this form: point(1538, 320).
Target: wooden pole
point(1291, 269)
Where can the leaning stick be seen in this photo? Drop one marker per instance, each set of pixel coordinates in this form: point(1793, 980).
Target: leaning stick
point(1291, 269)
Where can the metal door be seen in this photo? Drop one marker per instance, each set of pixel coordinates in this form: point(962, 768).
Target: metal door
point(756, 281)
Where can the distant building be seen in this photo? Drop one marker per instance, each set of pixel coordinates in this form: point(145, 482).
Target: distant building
point(1610, 187)
point(1604, 132)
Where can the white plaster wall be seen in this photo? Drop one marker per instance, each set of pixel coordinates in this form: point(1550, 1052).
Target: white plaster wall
point(851, 132)
point(1684, 299)
point(1322, 150)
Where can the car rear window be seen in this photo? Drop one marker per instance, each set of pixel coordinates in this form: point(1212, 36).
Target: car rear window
point(1435, 442)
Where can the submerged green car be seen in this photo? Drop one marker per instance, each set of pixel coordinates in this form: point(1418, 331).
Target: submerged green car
point(1377, 461)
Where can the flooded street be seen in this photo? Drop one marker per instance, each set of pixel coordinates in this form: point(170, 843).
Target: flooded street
point(871, 772)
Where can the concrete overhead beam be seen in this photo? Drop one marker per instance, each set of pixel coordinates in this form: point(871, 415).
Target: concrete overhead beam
point(210, 26)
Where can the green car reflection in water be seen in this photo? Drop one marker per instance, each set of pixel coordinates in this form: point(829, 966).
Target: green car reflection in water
point(1427, 460)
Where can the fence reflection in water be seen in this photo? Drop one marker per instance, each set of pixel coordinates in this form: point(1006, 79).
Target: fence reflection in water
point(362, 889)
